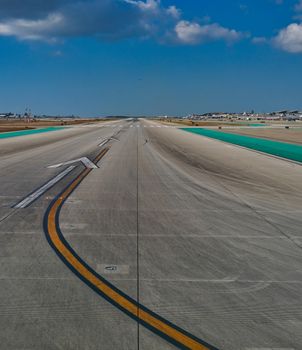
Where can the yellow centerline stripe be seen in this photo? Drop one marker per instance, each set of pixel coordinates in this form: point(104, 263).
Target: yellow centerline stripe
point(119, 299)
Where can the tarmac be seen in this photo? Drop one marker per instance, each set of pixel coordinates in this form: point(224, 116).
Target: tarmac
point(204, 234)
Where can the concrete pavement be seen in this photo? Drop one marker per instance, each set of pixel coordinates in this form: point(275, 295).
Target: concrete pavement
point(205, 234)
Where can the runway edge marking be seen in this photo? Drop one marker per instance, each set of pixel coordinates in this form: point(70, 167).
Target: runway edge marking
point(147, 318)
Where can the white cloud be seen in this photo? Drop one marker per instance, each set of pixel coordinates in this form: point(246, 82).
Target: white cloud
point(193, 33)
point(51, 20)
point(31, 29)
point(108, 19)
point(148, 5)
point(174, 11)
point(290, 38)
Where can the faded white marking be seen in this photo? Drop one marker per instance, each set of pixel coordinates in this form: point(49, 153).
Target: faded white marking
point(103, 142)
point(32, 197)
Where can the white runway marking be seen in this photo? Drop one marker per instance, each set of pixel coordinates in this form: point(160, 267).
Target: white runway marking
point(154, 126)
point(87, 162)
point(160, 126)
point(103, 143)
point(33, 196)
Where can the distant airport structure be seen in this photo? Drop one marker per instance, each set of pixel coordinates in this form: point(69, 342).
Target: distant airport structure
point(284, 115)
point(279, 115)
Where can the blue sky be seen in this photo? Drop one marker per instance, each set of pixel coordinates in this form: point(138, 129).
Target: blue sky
point(130, 57)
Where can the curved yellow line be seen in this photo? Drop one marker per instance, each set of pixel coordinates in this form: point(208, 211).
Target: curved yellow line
point(131, 307)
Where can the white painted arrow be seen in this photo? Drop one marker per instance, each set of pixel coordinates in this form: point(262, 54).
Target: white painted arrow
point(84, 160)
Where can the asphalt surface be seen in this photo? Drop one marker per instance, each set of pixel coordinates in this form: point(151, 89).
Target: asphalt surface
point(206, 235)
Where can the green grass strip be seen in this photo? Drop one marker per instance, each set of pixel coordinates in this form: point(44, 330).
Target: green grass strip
point(280, 149)
point(6, 135)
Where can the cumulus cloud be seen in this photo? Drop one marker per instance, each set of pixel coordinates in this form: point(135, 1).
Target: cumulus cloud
point(30, 29)
point(106, 18)
point(149, 5)
point(173, 11)
point(50, 20)
point(290, 38)
point(195, 33)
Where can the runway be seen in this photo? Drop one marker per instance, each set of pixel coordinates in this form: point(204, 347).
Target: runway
point(202, 238)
